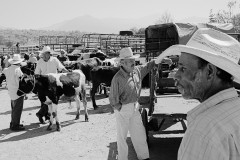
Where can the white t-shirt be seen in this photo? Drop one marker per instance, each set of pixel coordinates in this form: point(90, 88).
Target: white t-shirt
point(12, 74)
point(51, 66)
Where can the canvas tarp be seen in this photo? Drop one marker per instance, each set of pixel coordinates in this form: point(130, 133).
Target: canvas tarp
point(160, 37)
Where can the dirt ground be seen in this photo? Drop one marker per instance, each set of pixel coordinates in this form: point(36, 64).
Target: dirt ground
point(79, 140)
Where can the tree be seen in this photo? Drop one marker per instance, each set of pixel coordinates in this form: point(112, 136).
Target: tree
point(223, 16)
point(165, 18)
point(9, 44)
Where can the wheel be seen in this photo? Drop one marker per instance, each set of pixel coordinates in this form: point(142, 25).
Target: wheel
point(145, 122)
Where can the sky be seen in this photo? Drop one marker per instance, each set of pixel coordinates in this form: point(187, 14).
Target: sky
point(34, 14)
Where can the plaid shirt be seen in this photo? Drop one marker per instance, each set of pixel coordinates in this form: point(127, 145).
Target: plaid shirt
point(213, 129)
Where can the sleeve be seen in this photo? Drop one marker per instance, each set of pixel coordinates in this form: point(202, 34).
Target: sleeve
point(18, 72)
point(114, 92)
point(59, 64)
point(146, 68)
point(4, 71)
point(37, 69)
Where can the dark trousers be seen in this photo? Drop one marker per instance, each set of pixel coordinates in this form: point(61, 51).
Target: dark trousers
point(17, 107)
point(43, 112)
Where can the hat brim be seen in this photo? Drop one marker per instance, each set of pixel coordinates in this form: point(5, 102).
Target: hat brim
point(11, 61)
point(215, 59)
point(131, 57)
point(44, 52)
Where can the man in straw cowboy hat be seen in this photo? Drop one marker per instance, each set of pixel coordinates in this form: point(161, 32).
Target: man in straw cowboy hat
point(13, 74)
point(208, 65)
point(124, 94)
point(47, 64)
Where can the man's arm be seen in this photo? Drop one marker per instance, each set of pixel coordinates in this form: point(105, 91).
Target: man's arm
point(38, 69)
point(114, 95)
point(60, 66)
point(145, 69)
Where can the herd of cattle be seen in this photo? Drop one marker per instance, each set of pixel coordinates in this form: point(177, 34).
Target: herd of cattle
point(50, 88)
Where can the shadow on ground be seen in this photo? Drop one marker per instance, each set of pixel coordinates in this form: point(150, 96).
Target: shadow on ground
point(24, 109)
point(159, 148)
point(33, 130)
point(112, 154)
point(101, 110)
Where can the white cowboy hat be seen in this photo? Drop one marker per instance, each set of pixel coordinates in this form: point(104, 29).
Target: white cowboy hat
point(46, 49)
point(213, 46)
point(126, 53)
point(16, 59)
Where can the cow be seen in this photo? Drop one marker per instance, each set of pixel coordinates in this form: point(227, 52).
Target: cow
point(99, 55)
point(88, 55)
point(51, 87)
point(101, 75)
point(110, 62)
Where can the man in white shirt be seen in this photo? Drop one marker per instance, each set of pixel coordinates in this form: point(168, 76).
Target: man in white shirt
point(47, 64)
point(13, 74)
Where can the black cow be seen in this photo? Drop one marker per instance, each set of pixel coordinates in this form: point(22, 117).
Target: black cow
point(83, 56)
point(52, 86)
point(99, 75)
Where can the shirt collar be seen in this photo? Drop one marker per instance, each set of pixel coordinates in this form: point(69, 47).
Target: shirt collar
point(126, 74)
point(221, 96)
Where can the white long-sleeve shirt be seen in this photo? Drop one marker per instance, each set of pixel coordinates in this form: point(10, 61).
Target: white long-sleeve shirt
point(213, 131)
point(53, 65)
point(13, 74)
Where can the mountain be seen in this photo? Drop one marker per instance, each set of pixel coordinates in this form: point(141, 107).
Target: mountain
point(106, 25)
point(194, 20)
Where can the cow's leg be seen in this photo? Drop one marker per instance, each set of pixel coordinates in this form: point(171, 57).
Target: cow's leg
point(70, 104)
point(55, 115)
point(84, 100)
point(77, 100)
point(50, 109)
point(93, 92)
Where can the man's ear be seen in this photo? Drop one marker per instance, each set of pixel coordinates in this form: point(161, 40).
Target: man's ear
point(211, 71)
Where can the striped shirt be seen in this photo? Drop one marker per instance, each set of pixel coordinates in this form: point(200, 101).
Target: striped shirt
point(125, 87)
point(213, 129)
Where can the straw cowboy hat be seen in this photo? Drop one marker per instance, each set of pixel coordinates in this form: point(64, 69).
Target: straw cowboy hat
point(126, 53)
point(16, 59)
point(213, 46)
point(46, 49)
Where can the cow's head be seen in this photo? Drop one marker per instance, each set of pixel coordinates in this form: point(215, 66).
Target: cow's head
point(26, 84)
point(28, 68)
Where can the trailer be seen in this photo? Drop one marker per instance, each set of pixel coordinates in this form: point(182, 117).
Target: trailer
point(157, 39)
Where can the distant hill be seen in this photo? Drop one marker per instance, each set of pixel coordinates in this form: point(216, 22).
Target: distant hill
point(106, 25)
point(194, 20)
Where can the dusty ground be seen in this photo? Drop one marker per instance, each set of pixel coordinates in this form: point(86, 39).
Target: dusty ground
point(93, 140)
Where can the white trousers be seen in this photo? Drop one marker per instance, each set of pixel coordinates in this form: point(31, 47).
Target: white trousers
point(129, 119)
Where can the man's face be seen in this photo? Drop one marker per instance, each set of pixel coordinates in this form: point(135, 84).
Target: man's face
point(190, 80)
point(128, 64)
point(46, 56)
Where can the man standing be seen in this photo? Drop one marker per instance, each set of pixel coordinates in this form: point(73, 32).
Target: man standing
point(47, 64)
point(124, 94)
point(13, 74)
point(208, 64)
